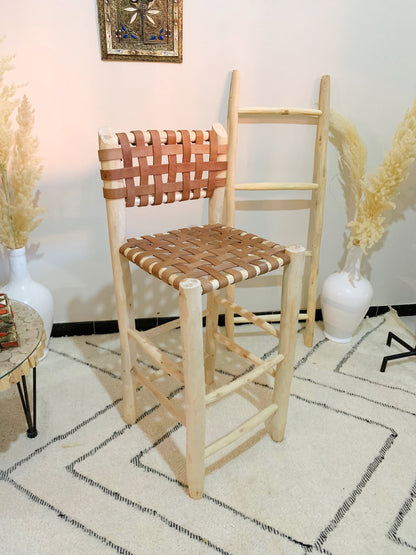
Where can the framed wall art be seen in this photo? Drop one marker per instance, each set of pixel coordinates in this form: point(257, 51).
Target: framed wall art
point(141, 30)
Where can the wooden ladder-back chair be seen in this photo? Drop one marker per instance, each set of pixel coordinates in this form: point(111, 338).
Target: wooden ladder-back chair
point(156, 167)
point(318, 117)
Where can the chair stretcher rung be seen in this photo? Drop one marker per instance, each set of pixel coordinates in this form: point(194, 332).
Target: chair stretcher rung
point(156, 354)
point(269, 318)
point(244, 428)
point(163, 328)
point(247, 315)
point(242, 380)
point(238, 349)
point(176, 411)
point(156, 374)
point(276, 186)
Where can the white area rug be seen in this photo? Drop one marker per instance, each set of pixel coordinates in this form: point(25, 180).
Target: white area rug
point(343, 480)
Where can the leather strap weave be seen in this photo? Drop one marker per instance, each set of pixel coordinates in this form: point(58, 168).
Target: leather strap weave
point(159, 170)
point(216, 255)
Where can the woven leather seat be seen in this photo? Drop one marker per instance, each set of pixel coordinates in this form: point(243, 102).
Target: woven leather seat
point(216, 255)
point(161, 167)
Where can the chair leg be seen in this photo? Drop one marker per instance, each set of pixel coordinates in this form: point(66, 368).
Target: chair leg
point(124, 299)
point(210, 342)
point(190, 312)
point(311, 310)
point(291, 294)
point(229, 314)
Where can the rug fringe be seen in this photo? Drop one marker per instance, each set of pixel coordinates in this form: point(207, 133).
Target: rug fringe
point(399, 322)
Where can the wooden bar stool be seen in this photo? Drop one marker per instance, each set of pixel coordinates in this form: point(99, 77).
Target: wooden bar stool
point(157, 167)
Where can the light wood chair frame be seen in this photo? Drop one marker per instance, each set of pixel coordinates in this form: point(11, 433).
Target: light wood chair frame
point(197, 367)
point(320, 118)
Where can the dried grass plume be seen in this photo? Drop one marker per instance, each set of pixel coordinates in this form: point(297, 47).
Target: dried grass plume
point(372, 193)
point(20, 166)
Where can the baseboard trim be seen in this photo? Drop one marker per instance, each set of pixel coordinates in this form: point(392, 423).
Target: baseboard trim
point(142, 324)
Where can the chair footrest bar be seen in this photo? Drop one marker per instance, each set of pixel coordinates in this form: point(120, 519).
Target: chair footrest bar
point(156, 354)
point(238, 349)
point(247, 315)
point(268, 318)
point(242, 380)
point(156, 374)
point(176, 411)
point(246, 427)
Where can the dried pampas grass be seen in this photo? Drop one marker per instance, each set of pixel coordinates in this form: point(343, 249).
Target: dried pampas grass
point(373, 193)
point(19, 166)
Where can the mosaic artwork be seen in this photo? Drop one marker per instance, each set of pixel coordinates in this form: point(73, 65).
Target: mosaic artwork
point(141, 30)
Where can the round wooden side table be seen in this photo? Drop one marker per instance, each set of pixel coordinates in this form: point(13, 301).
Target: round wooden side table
point(17, 362)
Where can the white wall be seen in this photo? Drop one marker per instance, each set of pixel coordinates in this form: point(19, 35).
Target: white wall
point(282, 49)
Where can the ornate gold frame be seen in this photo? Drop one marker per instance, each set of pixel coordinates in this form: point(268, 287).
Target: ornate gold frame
point(141, 30)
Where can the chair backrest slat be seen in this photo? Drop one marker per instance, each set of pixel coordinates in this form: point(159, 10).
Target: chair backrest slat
point(164, 166)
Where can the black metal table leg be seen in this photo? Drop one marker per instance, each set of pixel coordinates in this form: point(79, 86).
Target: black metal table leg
point(24, 398)
point(412, 352)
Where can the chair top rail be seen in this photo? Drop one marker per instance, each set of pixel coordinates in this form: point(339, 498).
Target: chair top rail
point(148, 138)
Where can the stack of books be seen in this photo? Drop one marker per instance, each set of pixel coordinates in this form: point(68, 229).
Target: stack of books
point(8, 334)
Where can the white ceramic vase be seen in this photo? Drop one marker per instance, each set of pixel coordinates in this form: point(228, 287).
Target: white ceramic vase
point(345, 299)
point(23, 288)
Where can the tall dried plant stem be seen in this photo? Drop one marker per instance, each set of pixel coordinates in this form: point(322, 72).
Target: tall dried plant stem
point(5, 184)
point(353, 156)
point(25, 170)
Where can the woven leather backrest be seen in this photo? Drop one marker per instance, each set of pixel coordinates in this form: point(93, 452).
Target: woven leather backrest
point(164, 166)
